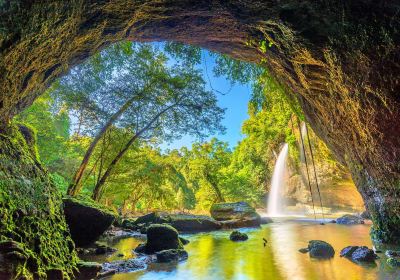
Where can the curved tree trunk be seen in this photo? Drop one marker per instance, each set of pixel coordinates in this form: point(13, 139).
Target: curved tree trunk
point(75, 186)
point(338, 58)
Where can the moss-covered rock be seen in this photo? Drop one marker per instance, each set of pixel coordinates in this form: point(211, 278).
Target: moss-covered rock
point(162, 237)
point(34, 238)
point(238, 236)
point(86, 219)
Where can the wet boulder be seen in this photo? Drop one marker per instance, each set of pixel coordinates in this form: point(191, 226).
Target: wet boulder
point(235, 215)
point(193, 223)
point(238, 236)
point(349, 220)
point(320, 249)
point(161, 237)
point(359, 254)
point(86, 220)
point(171, 255)
point(364, 254)
point(348, 251)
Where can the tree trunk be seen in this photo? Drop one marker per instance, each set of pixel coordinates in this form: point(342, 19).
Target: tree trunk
point(75, 186)
point(98, 188)
point(218, 193)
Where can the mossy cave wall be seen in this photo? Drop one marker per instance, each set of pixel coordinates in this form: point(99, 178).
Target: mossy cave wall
point(34, 238)
point(340, 59)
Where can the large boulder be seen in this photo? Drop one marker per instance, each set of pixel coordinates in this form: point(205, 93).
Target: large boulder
point(86, 220)
point(235, 214)
point(181, 222)
point(349, 220)
point(193, 223)
point(320, 249)
point(161, 237)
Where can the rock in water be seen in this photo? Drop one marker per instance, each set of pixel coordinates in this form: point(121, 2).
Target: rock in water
point(238, 236)
point(86, 220)
point(87, 270)
point(304, 250)
point(349, 220)
point(184, 240)
point(162, 237)
point(193, 223)
point(236, 214)
point(320, 249)
point(348, 251)
point(363, 254)
point(393, 262)
point(359, 254)
point(171, 255)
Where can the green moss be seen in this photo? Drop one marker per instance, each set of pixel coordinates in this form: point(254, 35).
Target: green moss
point(30, 212)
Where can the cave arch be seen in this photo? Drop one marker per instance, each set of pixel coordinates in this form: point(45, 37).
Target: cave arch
point(340, 59)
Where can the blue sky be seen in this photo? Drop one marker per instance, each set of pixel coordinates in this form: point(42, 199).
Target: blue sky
point(234, 101)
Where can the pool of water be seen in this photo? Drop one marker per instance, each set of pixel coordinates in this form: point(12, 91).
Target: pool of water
point(213, 256)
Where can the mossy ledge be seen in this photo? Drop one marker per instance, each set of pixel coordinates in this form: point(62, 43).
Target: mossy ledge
point(34, 238)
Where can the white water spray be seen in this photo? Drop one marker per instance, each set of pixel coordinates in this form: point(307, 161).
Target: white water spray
point(275, 200)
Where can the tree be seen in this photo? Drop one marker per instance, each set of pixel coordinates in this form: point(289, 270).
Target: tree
point(136, 87)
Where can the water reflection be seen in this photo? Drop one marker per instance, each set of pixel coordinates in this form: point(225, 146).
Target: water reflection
point(214, 256)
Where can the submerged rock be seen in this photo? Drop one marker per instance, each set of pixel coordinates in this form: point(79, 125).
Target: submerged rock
point(238, 236)
point(171, 255)
point(87, 270)
point(320, 249)
point(349, 220)
point(162, 237)
point(86, 220)
point(235, 215)
point(359, 254)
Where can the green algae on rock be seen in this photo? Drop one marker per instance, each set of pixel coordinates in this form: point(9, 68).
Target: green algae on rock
point(35, 240)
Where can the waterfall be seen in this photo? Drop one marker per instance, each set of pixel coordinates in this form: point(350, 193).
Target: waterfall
point(278, 183)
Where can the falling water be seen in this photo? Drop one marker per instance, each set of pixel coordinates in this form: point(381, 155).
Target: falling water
point(278, 183)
